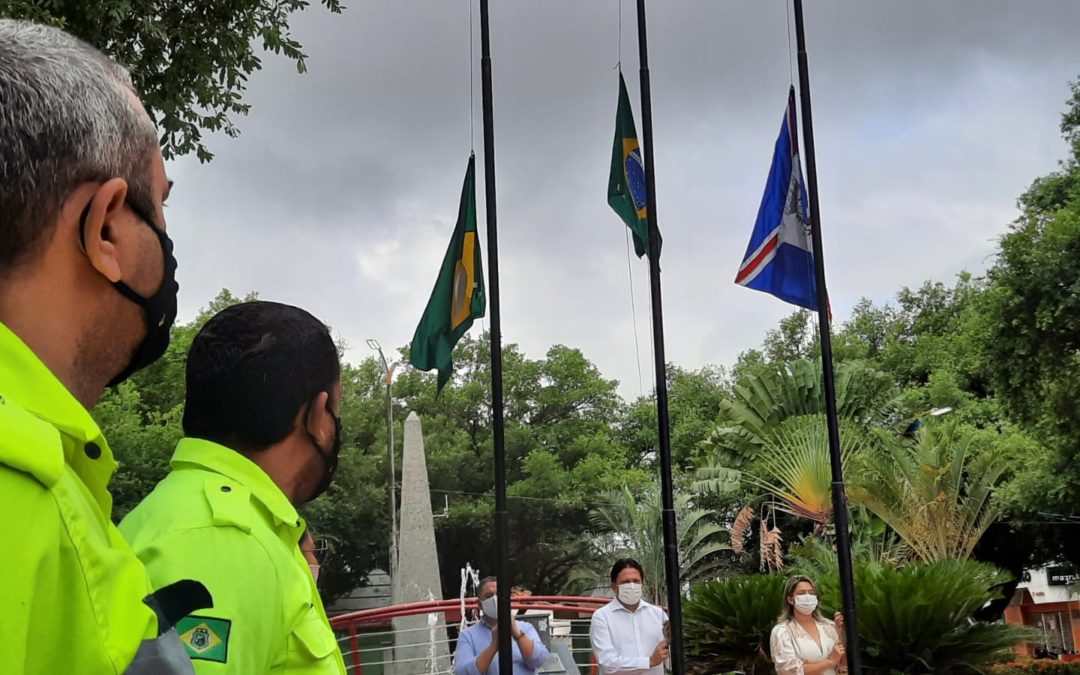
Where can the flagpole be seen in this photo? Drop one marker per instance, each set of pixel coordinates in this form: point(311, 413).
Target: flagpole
point(671, 541)
point(839, 498)
point(502, 517)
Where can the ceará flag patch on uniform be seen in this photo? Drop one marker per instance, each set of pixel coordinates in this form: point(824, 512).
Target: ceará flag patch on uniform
point(205, 637)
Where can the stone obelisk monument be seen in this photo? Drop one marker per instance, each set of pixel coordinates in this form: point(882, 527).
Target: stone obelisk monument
point(420, 647)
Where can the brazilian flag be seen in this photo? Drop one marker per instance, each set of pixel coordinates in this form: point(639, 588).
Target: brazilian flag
point(458, 297)
point(626, 184)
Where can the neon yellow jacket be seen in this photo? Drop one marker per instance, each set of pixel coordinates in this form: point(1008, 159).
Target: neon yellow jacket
point(71, 590)
point(220, 519)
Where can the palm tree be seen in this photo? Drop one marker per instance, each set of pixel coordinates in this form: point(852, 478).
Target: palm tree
point(793, 466)
point(629, 527)
point(936, 491)
point(773, 437)
point(764, 400)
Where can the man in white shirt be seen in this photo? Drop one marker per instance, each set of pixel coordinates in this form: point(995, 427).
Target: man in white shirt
point(627, 634)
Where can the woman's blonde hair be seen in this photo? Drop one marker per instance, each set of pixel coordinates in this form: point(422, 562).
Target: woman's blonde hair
point(788, 611)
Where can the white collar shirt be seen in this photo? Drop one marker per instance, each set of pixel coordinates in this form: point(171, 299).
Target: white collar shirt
point(792, 647)
point(623, 641)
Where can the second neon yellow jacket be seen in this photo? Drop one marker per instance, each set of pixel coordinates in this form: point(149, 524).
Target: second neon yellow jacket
point(218, 518)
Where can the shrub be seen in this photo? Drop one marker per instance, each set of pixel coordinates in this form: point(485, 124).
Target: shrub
point(914, 619)
point(918, 618)
point(727, 624)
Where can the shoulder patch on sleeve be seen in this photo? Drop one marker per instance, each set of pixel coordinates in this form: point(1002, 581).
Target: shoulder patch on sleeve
point(230, 504)
point(205, 637)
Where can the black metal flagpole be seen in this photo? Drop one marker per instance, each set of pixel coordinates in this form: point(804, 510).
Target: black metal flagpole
point(502, 517)
point(843, 539)
point(671, 541)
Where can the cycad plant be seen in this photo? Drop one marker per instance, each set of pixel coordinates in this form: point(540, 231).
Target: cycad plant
point(937, 491)
point(917, 619)
point(727, 624)
point(914, 619)
point(816, 557)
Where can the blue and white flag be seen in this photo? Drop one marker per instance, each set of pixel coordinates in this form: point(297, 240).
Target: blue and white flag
point(780, 259)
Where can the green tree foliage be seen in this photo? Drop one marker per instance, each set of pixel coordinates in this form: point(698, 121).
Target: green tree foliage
point(189, 60)
point(935, 492)
point(929, 344)
point(931, 341)
point(1033, 314)
point(793, 339)
point(768, 456)
point(142, 438)
point(1001, 351)
point(695, 398)
point(563, 452)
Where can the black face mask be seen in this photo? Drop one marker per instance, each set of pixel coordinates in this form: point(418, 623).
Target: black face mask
point(330, 459)
point(159, 310)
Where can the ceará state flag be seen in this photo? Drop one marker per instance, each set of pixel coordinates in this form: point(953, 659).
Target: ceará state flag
point(780, 259)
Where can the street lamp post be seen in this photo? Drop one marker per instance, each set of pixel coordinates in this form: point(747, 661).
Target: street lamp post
point(388, 370)
point(916, 423)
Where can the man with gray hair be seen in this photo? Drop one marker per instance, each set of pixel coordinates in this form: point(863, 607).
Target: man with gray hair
point(87, 297)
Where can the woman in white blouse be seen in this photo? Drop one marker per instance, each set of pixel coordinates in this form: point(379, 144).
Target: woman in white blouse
point(804, 642)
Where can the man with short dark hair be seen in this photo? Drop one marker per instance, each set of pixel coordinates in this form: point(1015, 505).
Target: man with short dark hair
point(262, 436)
point(87, 297)
point(627, 634)
point(478, 645)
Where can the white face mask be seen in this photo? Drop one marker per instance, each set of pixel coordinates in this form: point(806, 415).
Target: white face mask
point(314, 571)
point(806, 604)
point(490, 607)
point(630, 593)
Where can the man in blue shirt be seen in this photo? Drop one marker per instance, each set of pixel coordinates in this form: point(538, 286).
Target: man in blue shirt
point(478, 644)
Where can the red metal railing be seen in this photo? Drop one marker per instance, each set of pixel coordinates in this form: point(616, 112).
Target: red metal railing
point(574, 608)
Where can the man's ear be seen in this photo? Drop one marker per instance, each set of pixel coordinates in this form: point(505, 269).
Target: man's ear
point(98, 228)
point(316, 418)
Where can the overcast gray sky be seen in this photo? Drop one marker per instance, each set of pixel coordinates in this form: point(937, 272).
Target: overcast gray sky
point(341, 193)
